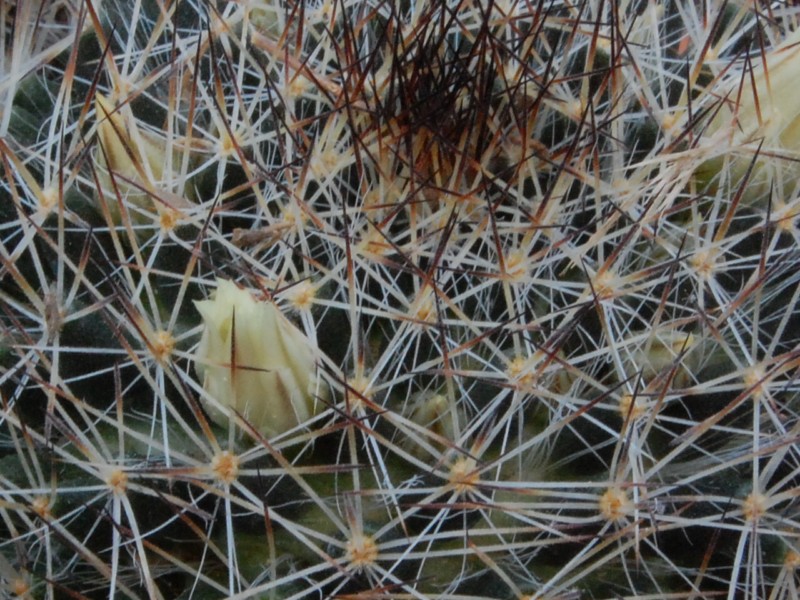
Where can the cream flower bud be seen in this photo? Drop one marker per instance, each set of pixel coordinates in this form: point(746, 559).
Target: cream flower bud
point(761, 113)
point(655, 353)
point(252, 359)
point(437, 419)
point(137, 160)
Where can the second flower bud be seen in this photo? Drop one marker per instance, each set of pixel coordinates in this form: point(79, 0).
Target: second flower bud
point(253, 361)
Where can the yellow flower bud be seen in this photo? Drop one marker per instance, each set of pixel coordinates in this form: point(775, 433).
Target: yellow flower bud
point(760, 113)
point(655, 353)
point(253, 360)
point(136, 159)
point(437, 416)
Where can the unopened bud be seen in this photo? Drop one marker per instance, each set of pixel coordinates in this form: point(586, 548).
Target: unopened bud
point(760, 113)
point(253, 360)
point(131, 164)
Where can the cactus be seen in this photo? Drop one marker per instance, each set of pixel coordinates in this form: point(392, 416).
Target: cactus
point(512, 321)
